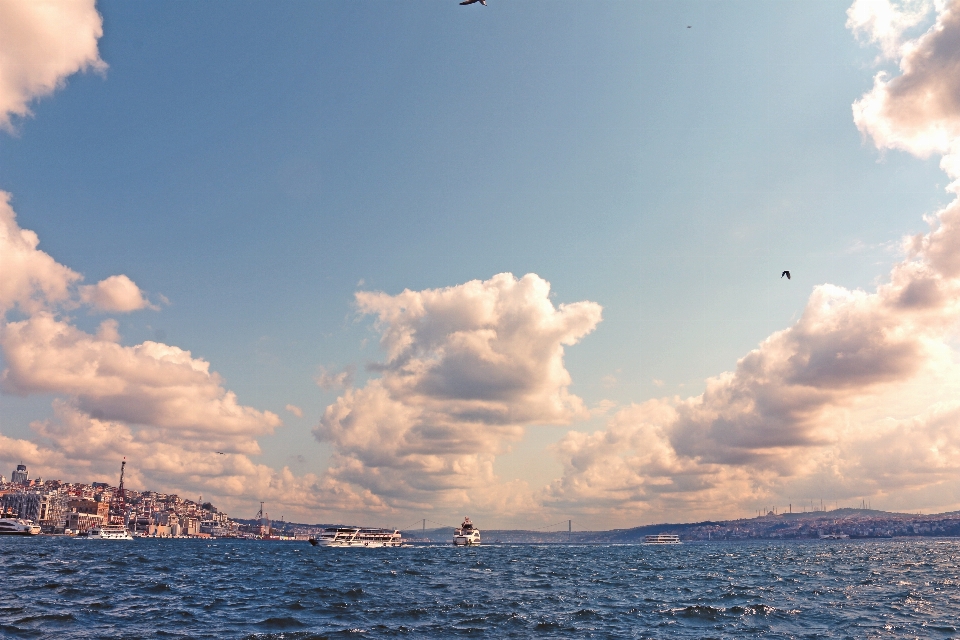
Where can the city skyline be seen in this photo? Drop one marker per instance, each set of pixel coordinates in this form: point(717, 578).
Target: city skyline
point(327, 256)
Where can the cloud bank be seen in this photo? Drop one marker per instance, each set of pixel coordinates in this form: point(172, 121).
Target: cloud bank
point(467, 368)
point(857, 399)
point(41, 43)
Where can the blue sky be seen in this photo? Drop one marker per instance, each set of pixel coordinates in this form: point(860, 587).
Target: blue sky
point(258, 164)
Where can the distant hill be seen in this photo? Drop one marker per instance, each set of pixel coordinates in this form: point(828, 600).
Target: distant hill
point(845, 522)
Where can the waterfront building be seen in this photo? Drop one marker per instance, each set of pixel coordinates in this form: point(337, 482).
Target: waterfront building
point(80, 522)
point(53, 510)
point(43, 506)
point(191, 526)
point(83, 505)
point(25, 504)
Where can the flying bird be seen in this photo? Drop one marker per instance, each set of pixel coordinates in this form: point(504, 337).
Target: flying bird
point(483, 2)
point(221, 452)
point(689, 27)
point(785, 273)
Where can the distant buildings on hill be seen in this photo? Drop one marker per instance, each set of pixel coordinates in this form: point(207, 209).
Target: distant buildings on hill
point(63, 507)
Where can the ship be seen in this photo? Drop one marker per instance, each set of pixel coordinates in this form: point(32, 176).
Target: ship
point(109, 532)
point(662, 538)
point(467, 535)
point(357, 537)
point(17, 527)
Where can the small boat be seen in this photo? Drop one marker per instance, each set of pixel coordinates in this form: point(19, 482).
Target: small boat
point(357, 537)
point(662, 538)
point(17, 527)
point(109, 532)
point(467, 535)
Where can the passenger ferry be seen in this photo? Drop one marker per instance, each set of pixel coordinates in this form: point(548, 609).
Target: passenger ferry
point(109, 532)
point(467, 535)
point(357, 537)
point(17, 527)
point(662, 538)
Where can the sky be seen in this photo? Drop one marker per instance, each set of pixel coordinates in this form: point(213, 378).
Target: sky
point(378, 262)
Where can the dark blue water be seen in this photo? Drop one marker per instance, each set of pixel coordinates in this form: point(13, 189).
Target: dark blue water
point(244, 589)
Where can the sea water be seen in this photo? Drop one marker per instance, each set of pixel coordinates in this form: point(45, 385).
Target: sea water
point(60, 587)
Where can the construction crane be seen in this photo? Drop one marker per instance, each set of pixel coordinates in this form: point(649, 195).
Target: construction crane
point(119, 500)
point(263, 522)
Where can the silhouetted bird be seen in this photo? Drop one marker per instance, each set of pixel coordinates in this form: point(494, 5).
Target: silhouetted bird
point(785, 273)
point(221, 452)
point(688, 26)
point(483, 2)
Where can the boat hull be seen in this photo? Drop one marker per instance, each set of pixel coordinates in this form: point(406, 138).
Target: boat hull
point(19, 533)
point(358, 543)
point(461, 541)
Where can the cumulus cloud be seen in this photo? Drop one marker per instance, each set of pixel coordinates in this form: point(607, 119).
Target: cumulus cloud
point(295, 410)
point(41, 43)
point(116, 294)
point(76, 445)
point(467, 368)
point(884, 23)
point(918, 111)
point(150, 384)
point(329, 380)
point(32, 280)
point(855, 397)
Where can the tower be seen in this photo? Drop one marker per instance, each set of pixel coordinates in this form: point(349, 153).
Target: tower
point(20, 476)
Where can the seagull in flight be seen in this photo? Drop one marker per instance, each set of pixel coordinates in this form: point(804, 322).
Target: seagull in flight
point(785, 273)
point(483, 2)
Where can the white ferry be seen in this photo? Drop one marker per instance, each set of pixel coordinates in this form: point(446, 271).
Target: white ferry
point(17, 527)
point(109, 532)
point(467, 535)
point(662, 538)
point(357, 537)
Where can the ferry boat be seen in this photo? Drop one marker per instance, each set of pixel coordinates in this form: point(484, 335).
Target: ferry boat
point(662, 538)
point(109, 532)
point(17, 527)
point(467, 535)
point(357, 537)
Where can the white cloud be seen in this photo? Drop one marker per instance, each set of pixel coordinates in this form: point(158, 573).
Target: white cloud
point(342, 379)
point(918, 111)
point(32, 280)
point(149, 384)
point(41, 43)
point(116, 294)
point(295, 410)
point(75, 445)
point(467, 368)
point(884, 23)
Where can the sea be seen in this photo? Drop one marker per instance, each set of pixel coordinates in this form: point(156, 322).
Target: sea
point(150, 588)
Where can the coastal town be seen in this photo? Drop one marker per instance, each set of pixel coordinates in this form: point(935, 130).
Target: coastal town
point(74, 508)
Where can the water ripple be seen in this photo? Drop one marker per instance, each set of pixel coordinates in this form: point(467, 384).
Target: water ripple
point(273, 590)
